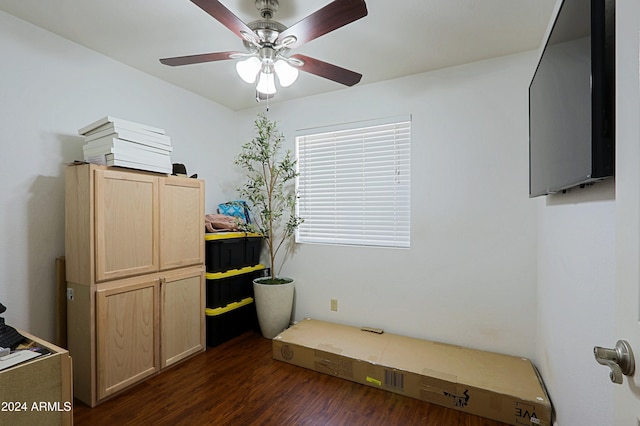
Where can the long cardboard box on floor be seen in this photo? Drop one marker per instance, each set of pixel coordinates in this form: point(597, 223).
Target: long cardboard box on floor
point(496, 386)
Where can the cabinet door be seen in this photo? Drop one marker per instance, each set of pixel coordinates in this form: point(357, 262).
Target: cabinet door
point(181, 222)
point(182, 315)
point(127, 334)
point(126, 224)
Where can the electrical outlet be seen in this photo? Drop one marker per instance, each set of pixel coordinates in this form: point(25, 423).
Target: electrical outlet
point(334, 305)
point(69, 293)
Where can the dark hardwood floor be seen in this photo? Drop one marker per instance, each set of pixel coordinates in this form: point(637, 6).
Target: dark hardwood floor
point(238, 383)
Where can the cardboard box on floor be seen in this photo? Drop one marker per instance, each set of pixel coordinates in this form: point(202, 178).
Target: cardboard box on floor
point(496, 386)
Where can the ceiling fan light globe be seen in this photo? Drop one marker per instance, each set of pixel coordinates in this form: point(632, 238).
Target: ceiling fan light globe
point(248, 69)
point(287, 74)
point(266, 83)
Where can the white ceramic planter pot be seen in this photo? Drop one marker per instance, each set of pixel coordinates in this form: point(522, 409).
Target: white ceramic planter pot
point(274, 303)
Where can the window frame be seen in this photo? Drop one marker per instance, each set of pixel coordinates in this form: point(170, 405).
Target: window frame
point(383, 225)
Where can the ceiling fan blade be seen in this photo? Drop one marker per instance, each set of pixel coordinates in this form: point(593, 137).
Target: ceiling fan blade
point(331, 17)
point(197, 59)
point(223, 15)
point(327, 70)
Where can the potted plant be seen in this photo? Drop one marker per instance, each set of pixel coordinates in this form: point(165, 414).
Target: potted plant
point(270, 191)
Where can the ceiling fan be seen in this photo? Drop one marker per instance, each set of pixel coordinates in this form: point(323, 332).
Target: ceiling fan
point(269, 42)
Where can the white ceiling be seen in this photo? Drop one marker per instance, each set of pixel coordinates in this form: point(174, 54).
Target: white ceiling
point(396, 39)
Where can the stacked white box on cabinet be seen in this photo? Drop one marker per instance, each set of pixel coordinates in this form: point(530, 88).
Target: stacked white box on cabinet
point(113, 141)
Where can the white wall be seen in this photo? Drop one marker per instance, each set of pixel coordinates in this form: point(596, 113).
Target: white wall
point(49, 88)
point(469, 277)
point(576, 293)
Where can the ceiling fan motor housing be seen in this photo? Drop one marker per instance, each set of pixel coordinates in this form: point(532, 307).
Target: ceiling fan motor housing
point(267, 8)
point(267, 30)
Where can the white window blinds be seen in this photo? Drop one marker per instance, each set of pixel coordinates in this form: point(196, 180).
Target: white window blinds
point(354, 184)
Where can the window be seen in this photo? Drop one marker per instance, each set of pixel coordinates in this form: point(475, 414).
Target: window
point(354, 183)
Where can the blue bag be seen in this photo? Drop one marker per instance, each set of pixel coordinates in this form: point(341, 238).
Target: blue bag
point(238, 208)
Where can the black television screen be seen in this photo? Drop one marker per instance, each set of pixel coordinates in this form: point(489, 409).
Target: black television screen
point(572, 100)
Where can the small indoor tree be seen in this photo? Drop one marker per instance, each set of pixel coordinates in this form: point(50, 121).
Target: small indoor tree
point(269, 189)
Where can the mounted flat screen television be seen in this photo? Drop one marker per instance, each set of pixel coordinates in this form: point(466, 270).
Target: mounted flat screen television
point(572, 100)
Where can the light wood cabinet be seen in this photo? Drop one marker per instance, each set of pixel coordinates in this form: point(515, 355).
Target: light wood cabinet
point(126, 223)
point(39, 391)
point(181, 223)
point(182, 325)
point(127, 335)
point(134, 258)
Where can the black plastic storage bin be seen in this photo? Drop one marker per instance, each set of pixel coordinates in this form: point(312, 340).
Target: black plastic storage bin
point(252, 249)
point(231, 286)
point(232, 250)
point(230, 321)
